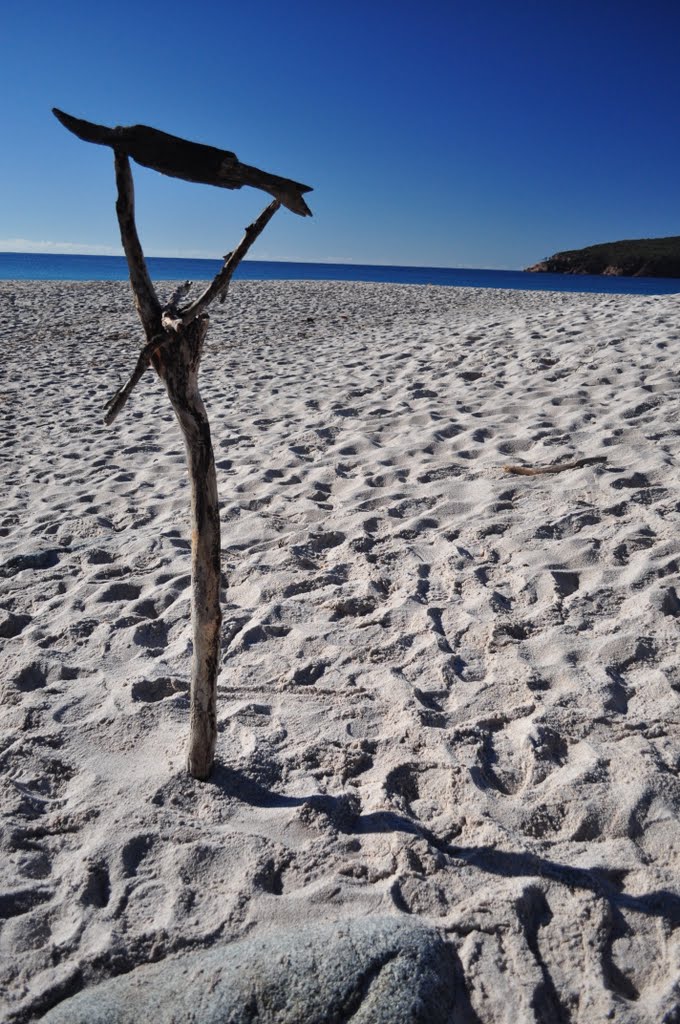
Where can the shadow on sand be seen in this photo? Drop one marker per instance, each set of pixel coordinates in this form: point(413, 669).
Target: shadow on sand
point(606, 883)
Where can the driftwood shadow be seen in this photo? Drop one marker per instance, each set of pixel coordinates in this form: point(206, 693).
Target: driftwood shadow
point(607, 883)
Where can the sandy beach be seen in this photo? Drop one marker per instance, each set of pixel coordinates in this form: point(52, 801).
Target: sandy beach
point(449, 695)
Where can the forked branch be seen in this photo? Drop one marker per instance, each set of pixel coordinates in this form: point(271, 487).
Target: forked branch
point(163, 325)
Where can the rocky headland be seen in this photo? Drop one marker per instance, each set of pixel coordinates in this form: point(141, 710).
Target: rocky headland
point(641, 257)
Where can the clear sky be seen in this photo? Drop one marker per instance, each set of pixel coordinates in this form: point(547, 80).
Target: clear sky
point(434, 132)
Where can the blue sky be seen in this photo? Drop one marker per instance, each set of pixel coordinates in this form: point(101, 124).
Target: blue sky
point(485, 134)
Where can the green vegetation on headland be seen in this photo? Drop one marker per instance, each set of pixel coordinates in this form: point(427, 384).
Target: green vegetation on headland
point(636, 257)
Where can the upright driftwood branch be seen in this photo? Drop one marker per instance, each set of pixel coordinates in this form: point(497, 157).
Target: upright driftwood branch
point(174, 345)
point(148, 306)
point(180, 373)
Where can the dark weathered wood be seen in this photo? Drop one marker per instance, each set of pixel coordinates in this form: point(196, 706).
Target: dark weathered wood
point(191, 161)
point(176, 355)
point(148, 306)
point(171, 320)
point(121, 396)
point(218, 287)
point(174, 345)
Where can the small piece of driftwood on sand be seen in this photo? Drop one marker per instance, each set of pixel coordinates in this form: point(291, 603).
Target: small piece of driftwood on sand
point(558, 467)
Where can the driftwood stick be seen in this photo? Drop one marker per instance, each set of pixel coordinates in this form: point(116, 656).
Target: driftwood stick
point(223, 294)
point(559, 467)
point(178, 367)
point(148, 306)
point(220, 283)
point(175, 339)
point(181, 381)
point(180, 291)
point(190, 161)
point(114, 406)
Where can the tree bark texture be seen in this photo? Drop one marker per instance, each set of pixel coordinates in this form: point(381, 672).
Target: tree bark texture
point(179, 368)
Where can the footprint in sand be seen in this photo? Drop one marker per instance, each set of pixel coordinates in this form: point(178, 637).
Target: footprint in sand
point(155, 689)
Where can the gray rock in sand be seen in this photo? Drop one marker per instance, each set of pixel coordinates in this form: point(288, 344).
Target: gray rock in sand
point(380, 971)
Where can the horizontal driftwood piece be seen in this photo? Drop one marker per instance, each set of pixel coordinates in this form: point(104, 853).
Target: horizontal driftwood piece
point(190, 161)
point(558, 467)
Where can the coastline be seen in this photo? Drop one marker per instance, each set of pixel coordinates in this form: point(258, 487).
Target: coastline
point(448, 694)
point(78, 267)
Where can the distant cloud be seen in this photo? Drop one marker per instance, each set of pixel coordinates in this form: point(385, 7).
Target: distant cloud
point(81, 248)
point(88, 249)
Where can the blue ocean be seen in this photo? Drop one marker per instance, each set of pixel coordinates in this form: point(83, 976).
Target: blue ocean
point(53, 267)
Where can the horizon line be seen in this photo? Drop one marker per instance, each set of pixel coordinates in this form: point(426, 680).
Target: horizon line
point(347, 261)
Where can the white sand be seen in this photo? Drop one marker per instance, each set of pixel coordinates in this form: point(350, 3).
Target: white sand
point(445, 692)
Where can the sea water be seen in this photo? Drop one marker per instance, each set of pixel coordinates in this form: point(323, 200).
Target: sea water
point(20, 266)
